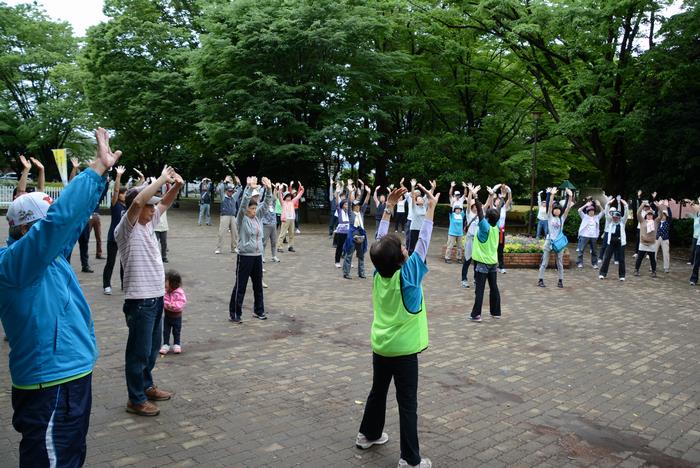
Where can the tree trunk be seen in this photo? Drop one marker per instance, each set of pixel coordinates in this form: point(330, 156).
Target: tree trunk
point(616, 170)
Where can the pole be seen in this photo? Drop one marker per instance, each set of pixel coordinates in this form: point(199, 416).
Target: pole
point(533, 175)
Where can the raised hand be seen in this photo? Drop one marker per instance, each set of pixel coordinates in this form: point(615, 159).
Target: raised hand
point(653, 194)
point(74, 161)
point(140, 174)
point(37, 163)
point(376, 189)
point(639, 193)
point(177, 178)
point(121, 170)
point(395, 196)
point(254, 182)
point(368, 189)
point(26, 164)
point(266, 182)
point(452, 184)
point(104, 152)
point(413, 182)
point(464, 185)
point(167, 174)
point(490, 190)
point(401, 181)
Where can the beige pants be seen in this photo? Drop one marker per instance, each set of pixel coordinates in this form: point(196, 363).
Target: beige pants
point(451, 242)
point(665, 248)
point(287, 230)
point(226, 223)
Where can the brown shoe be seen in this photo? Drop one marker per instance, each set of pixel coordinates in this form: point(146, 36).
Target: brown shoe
point(156, 394)
point(144, 409)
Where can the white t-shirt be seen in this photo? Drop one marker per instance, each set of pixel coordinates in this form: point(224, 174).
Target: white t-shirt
point(139, 251)
point(542, 213)
point(502, 218)
point(410, 206)
point(401, 206)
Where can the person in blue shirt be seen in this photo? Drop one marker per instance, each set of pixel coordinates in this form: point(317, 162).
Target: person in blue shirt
point(47, 319)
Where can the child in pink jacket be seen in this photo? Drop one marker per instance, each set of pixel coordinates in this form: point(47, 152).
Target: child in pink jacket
point(175, 301)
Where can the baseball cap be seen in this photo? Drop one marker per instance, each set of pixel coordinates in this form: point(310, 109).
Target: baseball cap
point(229, 188)
point(28, 208)
point(457, 192)
point(132, 192)
point(285, 195)
point(255, 193)
point(356, 202)
point(615, 213)
point(457, 205)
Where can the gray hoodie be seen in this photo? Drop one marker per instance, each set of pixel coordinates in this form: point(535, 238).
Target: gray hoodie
point(250, 230)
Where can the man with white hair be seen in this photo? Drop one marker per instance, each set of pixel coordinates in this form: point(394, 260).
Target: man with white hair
point(47, 319)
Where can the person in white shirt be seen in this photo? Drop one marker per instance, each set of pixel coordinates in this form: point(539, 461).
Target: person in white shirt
point(588, 231)
point(542, 225)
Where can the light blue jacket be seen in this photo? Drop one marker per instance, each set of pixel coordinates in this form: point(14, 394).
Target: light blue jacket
point(43, 310)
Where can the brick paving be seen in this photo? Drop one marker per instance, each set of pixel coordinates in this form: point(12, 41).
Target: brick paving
point(600, 373)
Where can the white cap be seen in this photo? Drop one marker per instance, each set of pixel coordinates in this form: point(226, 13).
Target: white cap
point(456, 192)
point(255, 193)
point(28, 208)
point(457, 205)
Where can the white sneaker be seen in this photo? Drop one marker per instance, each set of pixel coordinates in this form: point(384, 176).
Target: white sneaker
point(264, 285)
point(264, 270)
point(362, 443)
point(263, 259)
point(465, 284)
point(503, 271)
point(275, 259)
point(108, 291)
point(298, 231)
point(622, 279)
point(601, 277)
point(217, 251)
point(337, 265)
point(634, 256)
point(424, 463)
point(164, 349)
point(595, 267)
point(616, 262)
point(177, 349)
point(236, 250)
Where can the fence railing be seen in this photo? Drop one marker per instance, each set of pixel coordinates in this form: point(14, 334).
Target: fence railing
point(53, 192)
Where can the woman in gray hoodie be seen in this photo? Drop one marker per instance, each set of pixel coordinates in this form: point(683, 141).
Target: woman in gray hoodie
point(250, 248)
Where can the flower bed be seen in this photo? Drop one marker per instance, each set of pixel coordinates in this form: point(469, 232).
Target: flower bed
point(526, 252)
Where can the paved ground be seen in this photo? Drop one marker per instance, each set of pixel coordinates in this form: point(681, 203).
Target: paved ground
point(597, 374)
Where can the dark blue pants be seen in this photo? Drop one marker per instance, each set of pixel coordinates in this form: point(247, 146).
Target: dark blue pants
point(404, 370)
point(696, 266)
point(83, 242)
point(173, 323)
point(486, 273)
point(143, 317)
point(53, 422)
point(247, 266)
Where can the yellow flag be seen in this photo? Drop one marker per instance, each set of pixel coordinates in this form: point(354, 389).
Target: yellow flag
point(62, 162)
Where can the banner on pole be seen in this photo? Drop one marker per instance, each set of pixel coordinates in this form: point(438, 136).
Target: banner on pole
point(62, 162)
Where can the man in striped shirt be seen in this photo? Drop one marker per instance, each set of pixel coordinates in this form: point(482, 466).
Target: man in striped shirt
point(144, 287)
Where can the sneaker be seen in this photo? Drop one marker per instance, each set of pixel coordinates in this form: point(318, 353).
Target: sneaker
point(540, 283)
point(297, 231)
point(144, 409)
point(347, 276)
point(99, 257)
point(634, 256)
point(622, 279)
point(165, 260)
point(475, 319)
point(156, 394)
point(263, 259)
point(236, 320)
point(177, 349)
point(503, 271)
point(496, 317)
point(465, 284)
point(275, 259)
point(448, 261)
point(579, 265)
point(424, 463)
point(164, 349)
point(666, 270)
point(262, 316)
point(362, 443)
point(291, 249)
point(616, 262)
point(264, 270)
point(595, 267)
point(87, 269)
point(560, 284)
point(688, 263)
point(692, 283)
point(265, 286)
point(601, 277)
point(108, 291)
point(653, 274)
point(236, 251)
point(217, 251)
point(362, 276)
point(636, 272)
point(337, 265)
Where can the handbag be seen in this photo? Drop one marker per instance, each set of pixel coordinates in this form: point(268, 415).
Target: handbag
point(560, 242)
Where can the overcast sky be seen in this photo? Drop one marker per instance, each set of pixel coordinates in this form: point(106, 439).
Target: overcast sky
point(84, 13)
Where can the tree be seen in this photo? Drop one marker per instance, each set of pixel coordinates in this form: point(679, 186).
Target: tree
point(137, 83)
point(41, 100)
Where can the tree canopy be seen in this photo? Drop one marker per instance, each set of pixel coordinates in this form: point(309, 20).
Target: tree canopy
point(300, 89)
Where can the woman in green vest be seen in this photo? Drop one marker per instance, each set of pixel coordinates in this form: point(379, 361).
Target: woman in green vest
point(485, 256)
point(399, 332)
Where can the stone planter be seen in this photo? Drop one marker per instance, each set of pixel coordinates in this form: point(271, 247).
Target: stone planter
point(532, 260)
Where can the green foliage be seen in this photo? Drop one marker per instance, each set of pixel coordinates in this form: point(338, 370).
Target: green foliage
point(41, 101)
point(682, 231)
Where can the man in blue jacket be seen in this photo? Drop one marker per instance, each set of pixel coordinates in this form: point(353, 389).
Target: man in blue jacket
point(47, 319)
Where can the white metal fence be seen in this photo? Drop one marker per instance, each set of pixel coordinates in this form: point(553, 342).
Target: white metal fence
point(53, 192)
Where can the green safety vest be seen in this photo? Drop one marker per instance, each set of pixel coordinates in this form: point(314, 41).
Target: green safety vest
point(486, 252)
point(395, 330)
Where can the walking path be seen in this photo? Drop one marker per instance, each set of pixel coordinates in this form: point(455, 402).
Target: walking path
point(600, 373)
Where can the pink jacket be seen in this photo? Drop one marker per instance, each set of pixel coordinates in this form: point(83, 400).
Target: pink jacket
point(175, 301)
